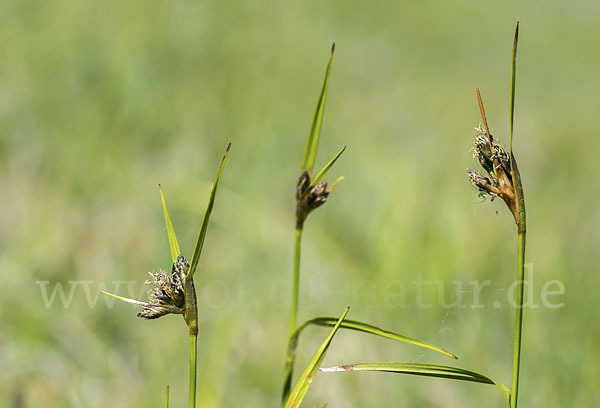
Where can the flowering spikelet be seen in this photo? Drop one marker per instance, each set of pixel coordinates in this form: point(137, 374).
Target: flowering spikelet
point(308, 198)
point(498, 164)
point(168, 294)
point(482, 183)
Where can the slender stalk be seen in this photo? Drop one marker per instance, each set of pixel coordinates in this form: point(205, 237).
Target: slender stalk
point(193, 365)
point(518, 322)
point(167, 398)
point(191, 318)
point(519, 214)
point(292, 338)
point(289, 368)
point(296, 284)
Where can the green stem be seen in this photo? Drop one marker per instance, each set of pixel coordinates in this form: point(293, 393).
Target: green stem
point(296, 283)
point(193, 364)
point(292, 340)
point(191, 319)
point(518, 323)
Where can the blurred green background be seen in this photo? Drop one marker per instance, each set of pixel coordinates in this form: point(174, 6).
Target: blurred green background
point(100, 101)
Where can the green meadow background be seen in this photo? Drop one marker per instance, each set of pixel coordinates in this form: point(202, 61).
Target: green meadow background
point(100, 101)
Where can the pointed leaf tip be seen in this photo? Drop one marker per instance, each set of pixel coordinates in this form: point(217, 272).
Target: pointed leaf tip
point(314, 134)
point(326, 168)
point(513, 75)
point(423, 369)
point(333, 48)
point(483, 117)
point(127, 300)
point(369, 328)
point(174, 246)
point(207, 213)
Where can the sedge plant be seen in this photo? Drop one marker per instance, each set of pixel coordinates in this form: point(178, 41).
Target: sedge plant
point(175, 293)
point(311, 193)
point(504, 181)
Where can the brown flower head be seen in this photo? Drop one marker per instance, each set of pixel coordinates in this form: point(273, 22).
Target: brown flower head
point(309, 197)
point(498, 164)
point(168, 295)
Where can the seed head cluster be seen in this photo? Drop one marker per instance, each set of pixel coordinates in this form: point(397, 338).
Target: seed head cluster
point(308, 198)
point(498, 163)
point(168, 294)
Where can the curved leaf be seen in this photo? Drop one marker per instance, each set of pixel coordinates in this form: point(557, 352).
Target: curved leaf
point(301, 387)
point(369, 328)
point(424, 369)
point(346, 324)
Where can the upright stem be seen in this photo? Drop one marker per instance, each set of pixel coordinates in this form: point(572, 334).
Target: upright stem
point(191, 319)
point(193, 364)
point(518, 322)
point(292, 341)
point(296, 283)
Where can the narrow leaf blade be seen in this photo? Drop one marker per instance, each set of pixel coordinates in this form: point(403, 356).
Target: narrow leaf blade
point(513, 75)
point(312, 141)
point(175, 251)
point(209, 208)
point(351, 325)
point(128, 300)
point(326, 168)
point(301, 387)
point(153, 306)
point(424, 369)
point(369, 328)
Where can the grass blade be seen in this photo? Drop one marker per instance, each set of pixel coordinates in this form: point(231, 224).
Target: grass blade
point(346, 324)
point(369, 328)
point(204, 227)
point(167, 398)
point(301, 387)
point(312, 141)
point(326, 168)
point(128, 300)
point(424, 369)
point(175, 251)
point(169, 308)
point(513, 75)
